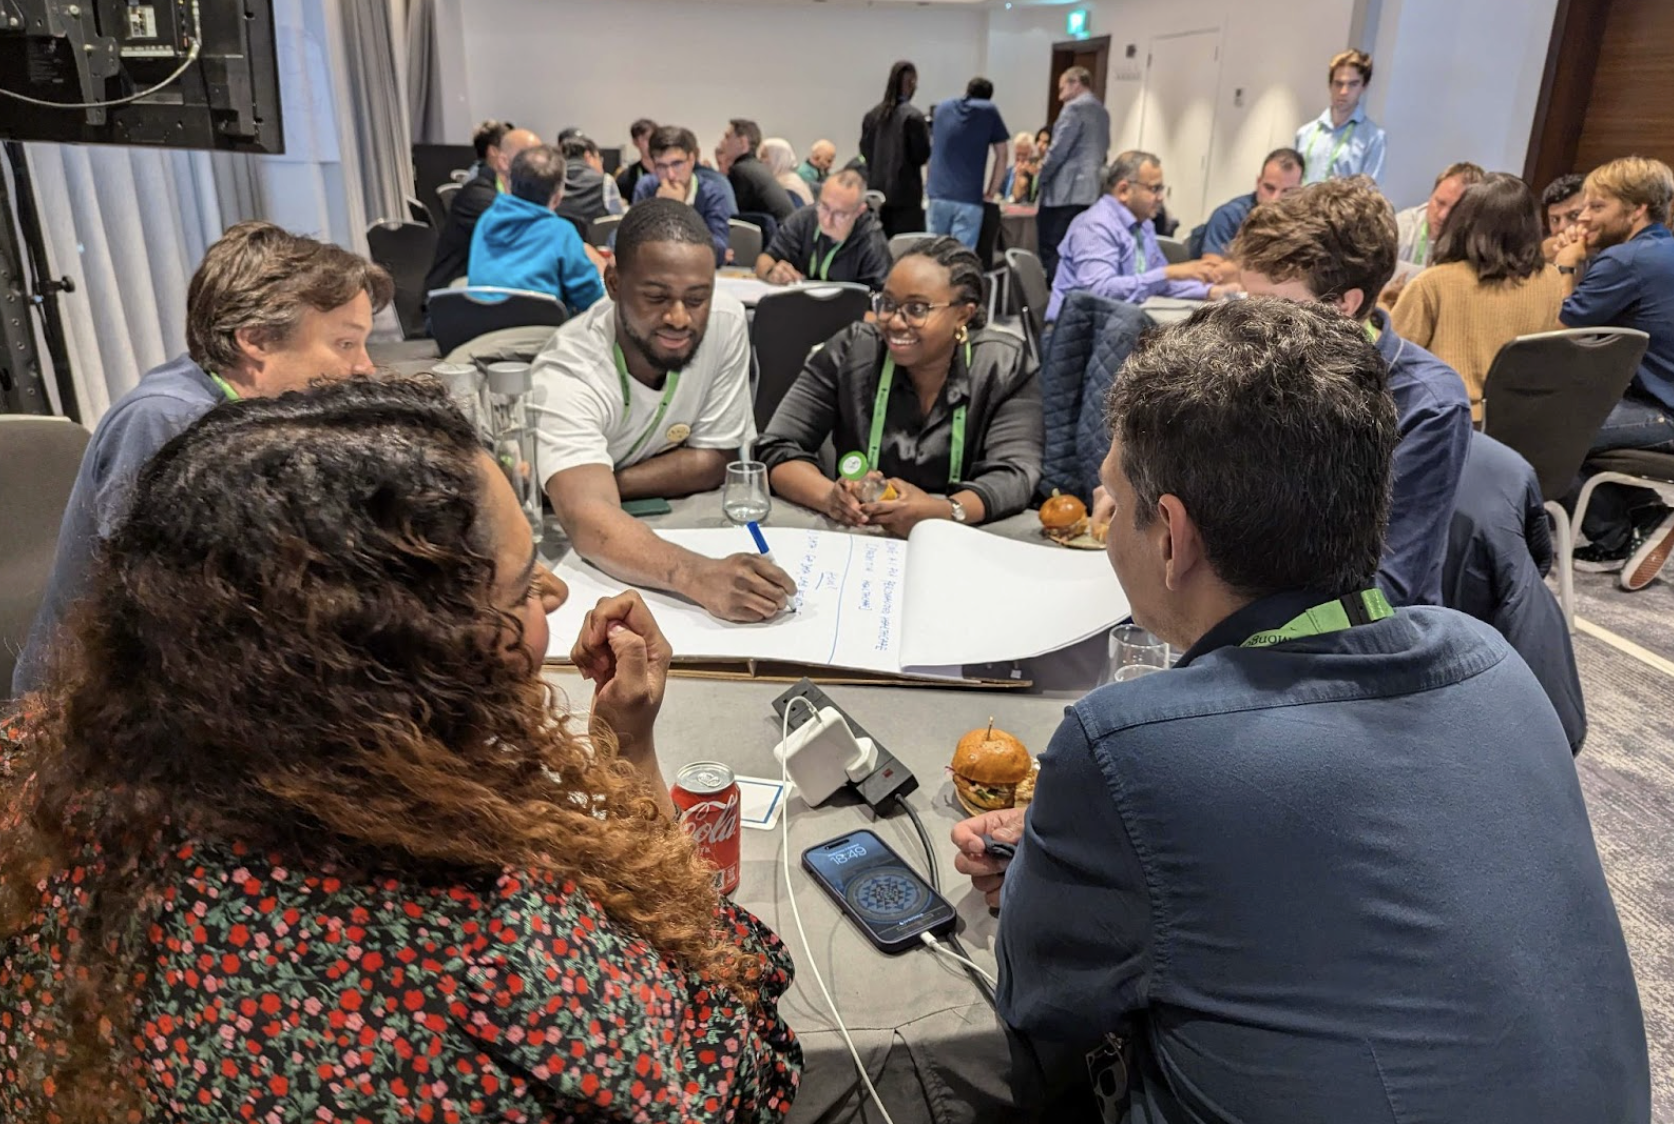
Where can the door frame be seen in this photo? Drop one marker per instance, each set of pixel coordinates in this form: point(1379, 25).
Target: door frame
point(1100, 46)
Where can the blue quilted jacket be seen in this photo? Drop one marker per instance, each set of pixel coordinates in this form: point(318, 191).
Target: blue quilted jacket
point(1088, 344)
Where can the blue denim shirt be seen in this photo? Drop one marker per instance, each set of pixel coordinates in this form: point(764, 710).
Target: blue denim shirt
point(1345, 878)
point(1102, 254)
point(1632, 286)
point(1434, 413)
point(1223, 225)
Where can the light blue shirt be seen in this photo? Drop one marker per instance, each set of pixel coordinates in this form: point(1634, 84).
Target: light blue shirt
point(1356, 148)
point(1111, 254)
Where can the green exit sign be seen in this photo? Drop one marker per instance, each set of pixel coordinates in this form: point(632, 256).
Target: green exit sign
point(1075, 23)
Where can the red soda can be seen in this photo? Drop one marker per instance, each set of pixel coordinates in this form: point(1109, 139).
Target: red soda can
point(706, 801)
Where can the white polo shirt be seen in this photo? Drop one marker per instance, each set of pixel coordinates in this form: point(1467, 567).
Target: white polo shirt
point(583, 419)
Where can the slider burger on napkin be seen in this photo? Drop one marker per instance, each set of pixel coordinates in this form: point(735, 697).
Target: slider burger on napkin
point(992, 770)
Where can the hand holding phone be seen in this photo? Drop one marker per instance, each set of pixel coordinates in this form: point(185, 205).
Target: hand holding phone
point(877, 890)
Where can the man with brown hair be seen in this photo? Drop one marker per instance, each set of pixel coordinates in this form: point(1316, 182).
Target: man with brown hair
point(1334, 242)
point(1624, 242)
point(1420, 227)
point(267, 312)
point(1343, 141)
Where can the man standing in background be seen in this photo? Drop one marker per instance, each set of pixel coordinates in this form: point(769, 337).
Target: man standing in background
point(963, 133)
point(497, 143)
point(1071, 172)
point(1343, 141)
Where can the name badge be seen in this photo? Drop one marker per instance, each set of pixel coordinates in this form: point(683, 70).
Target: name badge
point(678, 432)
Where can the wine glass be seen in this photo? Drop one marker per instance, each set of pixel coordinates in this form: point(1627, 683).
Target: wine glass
point(1135, 652)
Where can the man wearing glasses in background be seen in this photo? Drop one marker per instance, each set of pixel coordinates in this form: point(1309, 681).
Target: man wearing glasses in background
point(836, 240)
point(674, 157)
point(1111, 250)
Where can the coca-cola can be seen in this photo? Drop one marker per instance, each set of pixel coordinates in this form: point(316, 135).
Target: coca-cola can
point(706, 802)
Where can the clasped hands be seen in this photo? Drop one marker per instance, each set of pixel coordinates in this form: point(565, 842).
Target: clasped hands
point(898, 516)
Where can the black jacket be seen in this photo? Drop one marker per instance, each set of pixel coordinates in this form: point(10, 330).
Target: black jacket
point(453, 245)
point(834, 395)
point(757, 190)
point(862, 258)
point(896, 148)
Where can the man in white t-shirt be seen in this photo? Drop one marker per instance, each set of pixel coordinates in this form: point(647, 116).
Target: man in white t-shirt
point(648, 394)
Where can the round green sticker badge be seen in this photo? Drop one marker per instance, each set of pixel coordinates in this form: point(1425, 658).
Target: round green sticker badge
point(852, 466)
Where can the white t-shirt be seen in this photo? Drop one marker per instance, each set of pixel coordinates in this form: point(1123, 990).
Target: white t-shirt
point(582, 419)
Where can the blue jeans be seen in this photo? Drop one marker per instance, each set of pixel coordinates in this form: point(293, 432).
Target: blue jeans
point(1634, 423)
point(962, 220)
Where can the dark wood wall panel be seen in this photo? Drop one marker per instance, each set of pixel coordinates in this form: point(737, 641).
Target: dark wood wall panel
point(1631, 110)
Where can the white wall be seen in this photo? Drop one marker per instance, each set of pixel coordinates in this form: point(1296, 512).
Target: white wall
point(802, 71)
point(1456, 80)
point(1274, 51)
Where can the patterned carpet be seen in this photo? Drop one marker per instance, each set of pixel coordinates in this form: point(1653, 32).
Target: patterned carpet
point(1627, 773)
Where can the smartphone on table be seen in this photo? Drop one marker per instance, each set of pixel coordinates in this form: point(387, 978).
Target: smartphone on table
point(877, 890)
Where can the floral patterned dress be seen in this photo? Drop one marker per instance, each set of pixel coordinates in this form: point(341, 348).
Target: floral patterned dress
point(280, 995)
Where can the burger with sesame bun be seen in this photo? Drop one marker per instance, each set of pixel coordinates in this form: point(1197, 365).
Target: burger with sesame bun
point(988, 766)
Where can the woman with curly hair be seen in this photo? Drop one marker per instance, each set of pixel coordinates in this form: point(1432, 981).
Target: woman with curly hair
point(297, 830)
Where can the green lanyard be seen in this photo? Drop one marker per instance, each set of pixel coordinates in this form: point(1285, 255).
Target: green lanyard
point(880, 406)
point(1319, 128)
point(225, 386)
point(1422, 246)
point(821, 270)
point(1139, 259)
point(662, 407)
point(1333, 616)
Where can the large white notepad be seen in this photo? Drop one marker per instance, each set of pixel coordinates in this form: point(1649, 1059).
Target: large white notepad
point(948, 596)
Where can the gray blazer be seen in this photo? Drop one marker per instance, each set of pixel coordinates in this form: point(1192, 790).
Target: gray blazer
point(1074, 164)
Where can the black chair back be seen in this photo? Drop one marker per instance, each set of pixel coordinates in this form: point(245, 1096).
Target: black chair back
point(1173, 250)
point(458, 316)
point(601, 230)
point(445, 193)
point(1546, 395)
point(419, 213)
point(901, 243)
point(745, 241)
point(406, 250)
point(1028, 284)
point(790, 323)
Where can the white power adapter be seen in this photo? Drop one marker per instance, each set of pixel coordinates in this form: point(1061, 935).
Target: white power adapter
point(822, 755)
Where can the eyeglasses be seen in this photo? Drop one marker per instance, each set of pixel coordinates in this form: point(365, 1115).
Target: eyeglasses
point(915, 313)
point(671, 165)
point(1157, 190)
point(831, 214)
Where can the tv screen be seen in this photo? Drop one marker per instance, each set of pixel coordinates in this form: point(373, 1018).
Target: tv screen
point(179, 74)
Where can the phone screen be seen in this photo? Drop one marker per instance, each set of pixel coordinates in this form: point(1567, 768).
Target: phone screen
point(875, 888)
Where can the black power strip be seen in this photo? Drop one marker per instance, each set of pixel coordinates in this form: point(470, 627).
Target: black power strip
point(888, 781)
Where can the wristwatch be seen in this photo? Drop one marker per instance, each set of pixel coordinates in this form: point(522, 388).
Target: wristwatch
point(1567, 270)
point(959, 515)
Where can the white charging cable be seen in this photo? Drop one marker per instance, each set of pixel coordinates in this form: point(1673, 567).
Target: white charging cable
point(796, 914)
point(941, 949)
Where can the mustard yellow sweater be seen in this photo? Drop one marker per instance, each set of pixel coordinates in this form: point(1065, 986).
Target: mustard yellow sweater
point(1464, 322)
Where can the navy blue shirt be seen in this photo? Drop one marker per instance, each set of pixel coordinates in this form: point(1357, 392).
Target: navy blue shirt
point(1632, 286)
point(1343, 878)
point(713, 200)
point(1223, 225)
point(167, 400)
point(962, 132)
point(1434, 412)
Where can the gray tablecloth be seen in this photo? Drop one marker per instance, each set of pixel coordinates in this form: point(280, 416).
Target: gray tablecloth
point(931, 1044)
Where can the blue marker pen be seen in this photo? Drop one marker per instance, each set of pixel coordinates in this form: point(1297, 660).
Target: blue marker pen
point(761, 545)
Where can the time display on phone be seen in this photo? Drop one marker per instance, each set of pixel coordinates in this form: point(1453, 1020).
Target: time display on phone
point(855, 851)
point(877, 891)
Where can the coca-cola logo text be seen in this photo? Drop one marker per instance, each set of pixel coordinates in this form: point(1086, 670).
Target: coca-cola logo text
point(711, 822)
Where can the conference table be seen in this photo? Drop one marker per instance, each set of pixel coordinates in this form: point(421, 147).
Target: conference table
point(931, 1044)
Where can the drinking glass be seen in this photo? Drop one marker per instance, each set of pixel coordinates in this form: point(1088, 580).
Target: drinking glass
point(744, 496)
point(1135, 652)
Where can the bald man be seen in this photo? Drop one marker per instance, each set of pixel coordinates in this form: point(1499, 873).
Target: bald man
point(818, 165)
point(499, 142)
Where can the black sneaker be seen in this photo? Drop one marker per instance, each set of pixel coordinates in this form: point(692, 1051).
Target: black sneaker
point(1594, 559)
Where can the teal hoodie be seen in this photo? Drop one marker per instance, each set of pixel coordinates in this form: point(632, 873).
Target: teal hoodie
point(522, 245)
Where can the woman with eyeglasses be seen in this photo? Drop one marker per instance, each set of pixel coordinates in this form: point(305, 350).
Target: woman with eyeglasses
point(298, 831)
point(932, 415)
